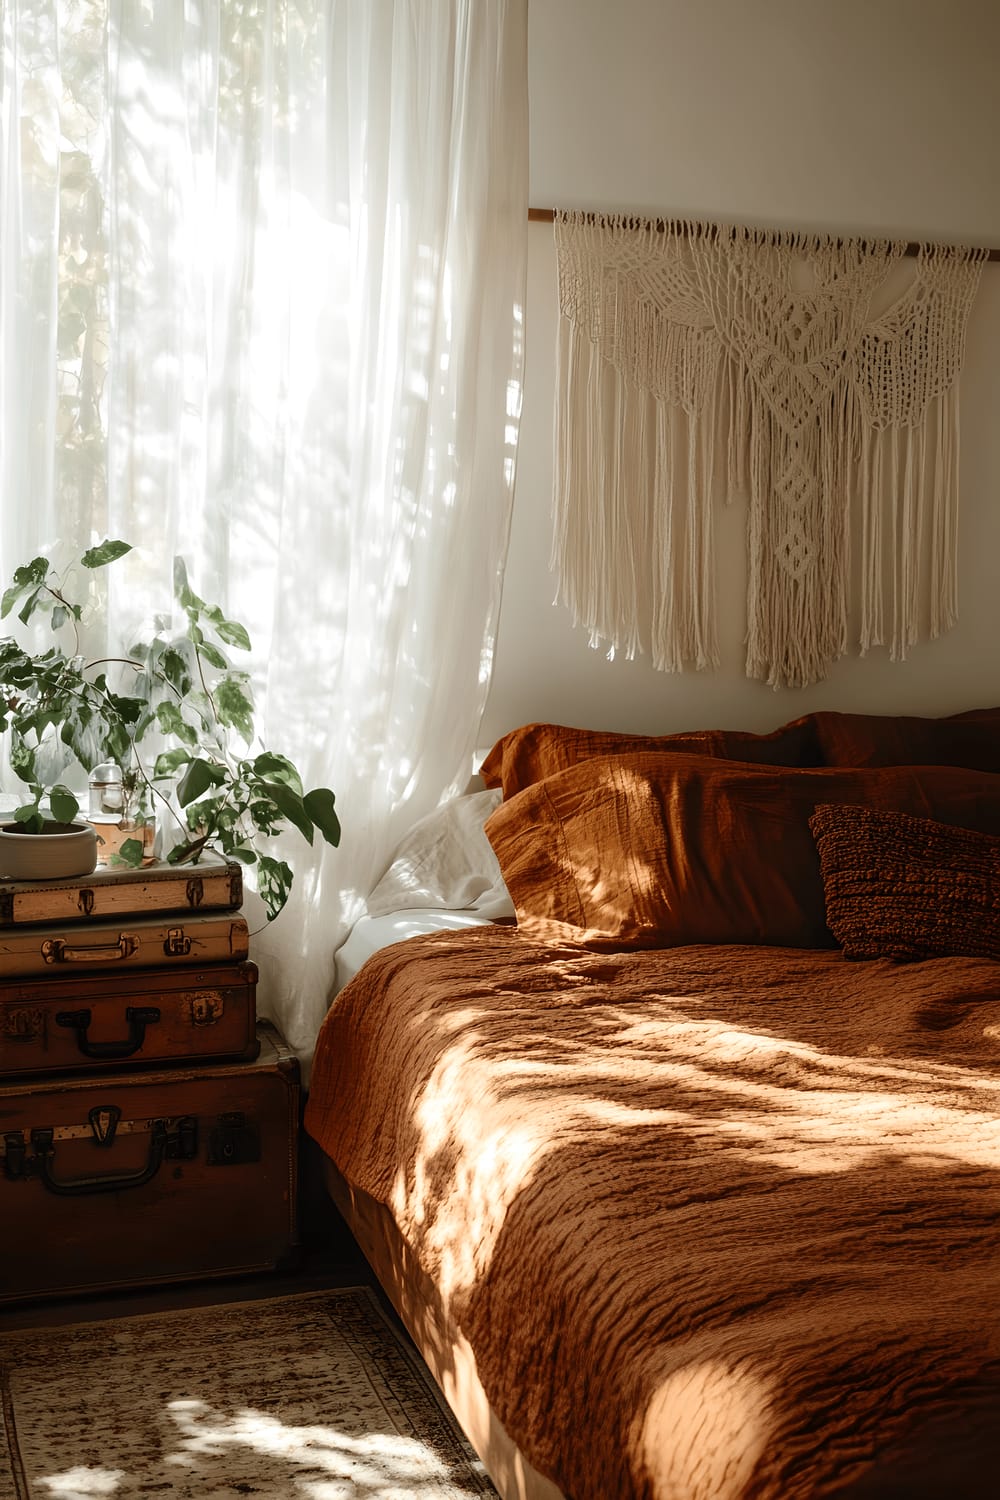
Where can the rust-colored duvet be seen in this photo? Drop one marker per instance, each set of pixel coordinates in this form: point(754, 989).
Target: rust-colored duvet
point(717, 1222)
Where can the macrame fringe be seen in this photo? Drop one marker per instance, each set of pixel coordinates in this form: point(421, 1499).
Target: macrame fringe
point(688, 354)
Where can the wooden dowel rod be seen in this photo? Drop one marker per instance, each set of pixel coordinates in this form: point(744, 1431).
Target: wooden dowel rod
point(546, 216)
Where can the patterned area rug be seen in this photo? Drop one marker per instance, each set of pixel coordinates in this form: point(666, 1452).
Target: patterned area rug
point(310, 1396)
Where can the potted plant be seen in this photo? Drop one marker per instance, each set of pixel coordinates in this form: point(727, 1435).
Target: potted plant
point(179, 691)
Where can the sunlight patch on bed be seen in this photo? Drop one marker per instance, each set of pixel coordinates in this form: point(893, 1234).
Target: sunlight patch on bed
point(495, 1119)
point(821, 1098)
point(494, 1164)
point(725, 1409)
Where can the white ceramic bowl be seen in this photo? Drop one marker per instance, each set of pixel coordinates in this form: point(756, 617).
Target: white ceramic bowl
point(61, 851)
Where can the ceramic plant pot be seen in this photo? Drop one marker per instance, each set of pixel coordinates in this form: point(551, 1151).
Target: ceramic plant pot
point(59, 852)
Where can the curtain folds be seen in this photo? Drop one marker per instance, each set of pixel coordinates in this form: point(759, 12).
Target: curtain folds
point(261, 304)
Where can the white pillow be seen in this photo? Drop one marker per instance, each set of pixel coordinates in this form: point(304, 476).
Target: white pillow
point(446, 861)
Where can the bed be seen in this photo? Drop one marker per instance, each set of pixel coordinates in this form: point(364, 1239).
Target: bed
point(683, 1171)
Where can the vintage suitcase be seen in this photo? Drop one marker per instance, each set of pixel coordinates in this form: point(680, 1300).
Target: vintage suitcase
point(148, 1177)
point(72, 1021)
point(125, 942)
point(210, 884)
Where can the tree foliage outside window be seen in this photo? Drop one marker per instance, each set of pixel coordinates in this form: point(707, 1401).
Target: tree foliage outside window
point(82, 286)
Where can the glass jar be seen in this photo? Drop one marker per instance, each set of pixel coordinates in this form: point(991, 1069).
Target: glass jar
point(115, 827)
point(106, 790)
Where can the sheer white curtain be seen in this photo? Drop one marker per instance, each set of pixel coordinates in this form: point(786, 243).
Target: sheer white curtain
point(261, 295)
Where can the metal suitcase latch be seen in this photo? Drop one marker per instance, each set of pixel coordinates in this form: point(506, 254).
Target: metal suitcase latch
point(15, 1154)
point(22, 1024)
point(207, 1007)
point(182, 1141)
point(103, 1120)
point(176, 945)
point(233, 1141)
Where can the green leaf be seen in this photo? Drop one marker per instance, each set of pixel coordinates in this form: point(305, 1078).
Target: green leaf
point(129, 853)
point(168, 716)
point(290, 807)
point(22, 759)
point(29, 606)
point(64, 805)
point(129, 710)
point(204, 815)
point(213, 656)
point(270, 767)
point(186, 598)
point(243, 853)
point(169, 762)
point(174, 668)
point(266, 815)
point(274, 881)
point(75, 730)
point(117, 743)
point(181, 853)
point(60, 614)
point(197, 779)
point(233, 633)
point(319, 805)
point(234, 706)
point(97, 557)
point(27, 577)
point(170, 720)
point(30, 816)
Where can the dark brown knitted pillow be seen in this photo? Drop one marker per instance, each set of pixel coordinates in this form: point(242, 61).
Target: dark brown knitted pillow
point(902, 887)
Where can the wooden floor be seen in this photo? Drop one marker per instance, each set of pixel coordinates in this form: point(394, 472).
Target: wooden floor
point(328, 1257)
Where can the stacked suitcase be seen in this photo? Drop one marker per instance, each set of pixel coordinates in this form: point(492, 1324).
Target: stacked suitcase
point(148, 1121)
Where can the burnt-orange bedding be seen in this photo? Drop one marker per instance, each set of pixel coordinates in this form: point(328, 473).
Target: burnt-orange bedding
point(718, 1222)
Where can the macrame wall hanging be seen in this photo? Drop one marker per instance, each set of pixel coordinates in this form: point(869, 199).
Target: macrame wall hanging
point(700, 359)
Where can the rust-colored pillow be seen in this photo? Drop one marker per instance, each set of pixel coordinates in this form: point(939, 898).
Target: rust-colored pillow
point(656, 850)
point(897, 886)
point(534, 751)
point(969, 739)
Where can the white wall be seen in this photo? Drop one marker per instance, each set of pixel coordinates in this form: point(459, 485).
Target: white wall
point(845, 115)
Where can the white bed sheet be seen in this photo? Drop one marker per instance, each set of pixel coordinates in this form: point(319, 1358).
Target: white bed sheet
point(371, 933)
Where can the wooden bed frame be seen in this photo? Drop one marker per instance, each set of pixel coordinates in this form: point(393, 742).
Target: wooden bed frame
point(445, 1351)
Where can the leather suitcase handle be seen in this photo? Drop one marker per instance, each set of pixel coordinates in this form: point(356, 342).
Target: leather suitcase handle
point(138, 1018)
point(58, 951)
point(107, 1182)
point(181, 1143)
